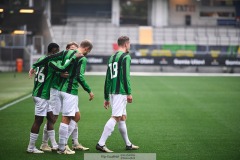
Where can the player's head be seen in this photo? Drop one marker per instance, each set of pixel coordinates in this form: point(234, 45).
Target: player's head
point(72, 46)
point(86, 47)
point(124, 42)
point(53, 48)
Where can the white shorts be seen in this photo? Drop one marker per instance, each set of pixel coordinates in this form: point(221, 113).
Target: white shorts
point(41, 106)
point(55, 102)
point(118, 103)
point(69, 104)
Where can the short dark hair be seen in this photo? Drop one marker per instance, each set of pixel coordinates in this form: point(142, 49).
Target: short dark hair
point(86, 43)
point(122, 40)
point(70, 44)
point(52, 46)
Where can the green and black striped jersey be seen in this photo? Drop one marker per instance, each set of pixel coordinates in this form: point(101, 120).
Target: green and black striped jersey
point(44, 76)
point(117, 79)
point(60, 57)
point(76, 77)
point(57, 79)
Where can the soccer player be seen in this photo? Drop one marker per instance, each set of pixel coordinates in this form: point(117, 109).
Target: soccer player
point(55, 104)
point(69, 95)
point(41, 93)
point(76, 144)
point(117, 92)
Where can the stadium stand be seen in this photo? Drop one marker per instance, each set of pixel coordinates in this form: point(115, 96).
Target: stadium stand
point(103, 35)
point(102, 23)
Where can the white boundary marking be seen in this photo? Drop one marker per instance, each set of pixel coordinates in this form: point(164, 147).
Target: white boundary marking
point(172, 74)
point(15, 102)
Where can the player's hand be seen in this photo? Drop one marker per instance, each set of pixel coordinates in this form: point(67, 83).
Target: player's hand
point(79, 55)
point(31, 72)
point(64, 74)
point(129, 98)
point(106, 104)
point(91, 95)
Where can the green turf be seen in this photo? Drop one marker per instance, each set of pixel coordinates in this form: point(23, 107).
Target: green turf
point(178, 118)
point(13, 86)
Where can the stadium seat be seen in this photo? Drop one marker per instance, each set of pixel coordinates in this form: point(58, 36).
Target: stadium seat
point(214, 53)
point(161, 53)
point(184, 53)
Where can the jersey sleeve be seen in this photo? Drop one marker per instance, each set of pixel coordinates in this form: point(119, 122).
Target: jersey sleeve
point(53, 57)
point(61, 68)
point(80, 74)
point(107, 84)
point(126, 74)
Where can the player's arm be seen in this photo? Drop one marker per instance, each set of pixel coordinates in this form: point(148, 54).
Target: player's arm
point(107, 85)
point(57, 66)
point(32, 70)
point(61, 74)
point(126, 77)
point(80, 76)
point(52, 57)
point(126, 74)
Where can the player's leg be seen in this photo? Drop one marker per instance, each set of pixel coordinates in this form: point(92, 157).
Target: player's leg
point(55, 104)
point(68, 111)
point(50, 130)
point(45, 139)
point(40, 111)
point(116, 102)
point(75, 143)
point(73, 122)
point(54, 107)
point(107, 131)
point(122, 127)
point(75, 131)
point(123, 130)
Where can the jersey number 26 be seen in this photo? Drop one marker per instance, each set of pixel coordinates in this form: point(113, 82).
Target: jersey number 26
point(39, 75)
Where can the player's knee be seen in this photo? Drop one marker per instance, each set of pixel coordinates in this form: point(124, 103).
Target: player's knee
point(77, 117)
point(123, 118)
point(55, 119)
point(50, 117)
point(38, 120)
point(117, 118)
point(66, 119)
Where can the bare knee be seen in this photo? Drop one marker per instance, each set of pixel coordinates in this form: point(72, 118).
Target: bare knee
point(116, 118)
point(51, 117)
point(55, 118)
point(37, 123)
point(38, 120)
point(66, 119)
point(123, 118)
point(77, 117)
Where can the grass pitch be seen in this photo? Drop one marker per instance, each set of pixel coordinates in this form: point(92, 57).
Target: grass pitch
point(13, 86)
point(175, 117)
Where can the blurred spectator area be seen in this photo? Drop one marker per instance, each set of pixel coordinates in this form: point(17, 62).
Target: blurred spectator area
point(175, 50)
point(164, 41)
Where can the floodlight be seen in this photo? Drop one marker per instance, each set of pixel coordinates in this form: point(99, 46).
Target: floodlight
point(26, 11)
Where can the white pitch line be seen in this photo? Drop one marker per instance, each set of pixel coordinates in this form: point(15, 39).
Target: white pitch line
point(171, 74)
point(143, 74)
point(15, 102)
